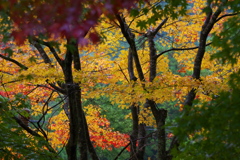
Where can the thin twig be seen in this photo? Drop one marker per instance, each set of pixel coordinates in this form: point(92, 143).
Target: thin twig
point(123, 72)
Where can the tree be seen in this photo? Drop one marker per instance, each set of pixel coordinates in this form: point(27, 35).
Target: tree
point(72, 22)
point(203, 84)
point(184, 28)
point(199, 23)
point(215, 121)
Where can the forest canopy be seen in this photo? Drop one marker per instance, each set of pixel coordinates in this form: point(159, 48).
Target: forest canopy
point(126, 79)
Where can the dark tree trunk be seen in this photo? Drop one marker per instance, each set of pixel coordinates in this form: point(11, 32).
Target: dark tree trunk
point(79, 135)
point(160, 118)
point(74, 106)
point(142, 141)
point(134, 135)
point(139, 131)
point(206, 28)
point(161, 134)
point(160, 115)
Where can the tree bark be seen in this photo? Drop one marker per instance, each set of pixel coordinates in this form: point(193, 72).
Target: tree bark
point(160, 115)
point(134, 134)
point(136, 153)
point(78, 124)
point(79, 135)
point(134, 111)
point(142, 141)
point(160, 118)
point(206, 28)
point(72, 93)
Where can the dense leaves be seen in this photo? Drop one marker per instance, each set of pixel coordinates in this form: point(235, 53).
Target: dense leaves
point(61, 18)
point(154, 61)
point(15, 142)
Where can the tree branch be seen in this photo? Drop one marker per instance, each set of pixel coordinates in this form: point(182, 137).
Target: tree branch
point(208, 18)
point(174, 143)
point(26, 127)
point(125, 30)
point(122, 151)
point(73, 47)
point(14, 61)
point(206, 28)
point(56, 87)
point(226, 15)
point(123, 73)
point(159, 26)
point(180, 49)
point(6, 73)
point(130, 37)
point(40, 49)
point(130, 66)
point(49, 45)
point(147, 136)
point(208, 25)
point(49, 147)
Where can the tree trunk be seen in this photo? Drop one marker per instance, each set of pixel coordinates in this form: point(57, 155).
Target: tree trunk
point(142, 141)
point(74, 97)
point(161, 134)
point(78, 124)
point(206, 28)
point(160, 116)
point(134, 135)
point(137, 153)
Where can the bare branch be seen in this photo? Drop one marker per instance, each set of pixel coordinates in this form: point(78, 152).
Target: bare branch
point(226, 15)
point(174, 143)
point(49, 147)
point(14, 61)
point(180, 49)
point(123, 72)
point(6, 73)
point(45, 109)
point(147, 136)
point(26, 127)
point(122, 151)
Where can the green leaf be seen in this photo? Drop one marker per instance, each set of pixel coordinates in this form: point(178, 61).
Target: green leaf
point(32, 59)
point(9, 51)
point(142, 24)
point(145, 10)
point(29, 77)
point(134, 12)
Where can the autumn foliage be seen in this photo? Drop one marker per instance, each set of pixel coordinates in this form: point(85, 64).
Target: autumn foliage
point(151, 59)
